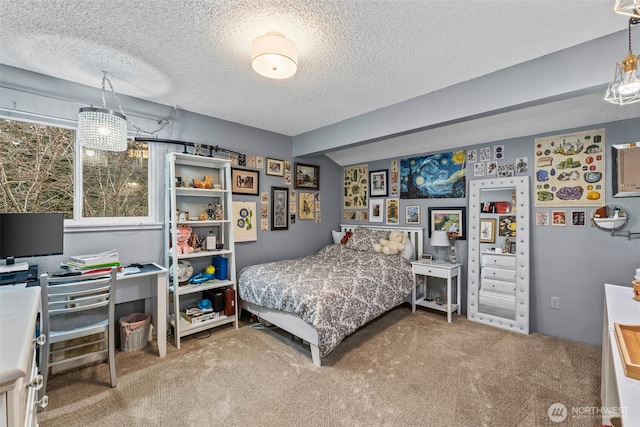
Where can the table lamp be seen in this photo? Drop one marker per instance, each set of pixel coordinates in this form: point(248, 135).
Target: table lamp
point(440, 240)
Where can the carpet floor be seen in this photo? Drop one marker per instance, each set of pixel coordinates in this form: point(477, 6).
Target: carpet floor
point(402, 369)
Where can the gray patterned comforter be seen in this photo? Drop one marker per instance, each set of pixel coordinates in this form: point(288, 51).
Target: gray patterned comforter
point(336, 291)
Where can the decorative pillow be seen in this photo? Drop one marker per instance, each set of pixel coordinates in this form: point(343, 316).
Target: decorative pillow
point(407, 252)
point(337, 236)
point(364, 238)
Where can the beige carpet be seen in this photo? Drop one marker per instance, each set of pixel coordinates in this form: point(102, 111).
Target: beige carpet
point(403, 369)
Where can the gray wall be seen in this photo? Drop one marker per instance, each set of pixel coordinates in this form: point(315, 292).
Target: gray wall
point(572, 263)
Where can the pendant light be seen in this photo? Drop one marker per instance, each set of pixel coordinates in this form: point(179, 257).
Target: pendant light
point(628, 7)
point(100, 128)
point(274, 56)
point(625, 87)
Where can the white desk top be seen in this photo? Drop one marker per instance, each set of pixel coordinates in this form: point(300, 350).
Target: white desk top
point(18, 310)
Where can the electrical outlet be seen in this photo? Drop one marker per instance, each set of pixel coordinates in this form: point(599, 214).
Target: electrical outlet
point(555, 303)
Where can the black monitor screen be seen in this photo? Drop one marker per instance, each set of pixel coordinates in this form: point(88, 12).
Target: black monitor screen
point(31, 234)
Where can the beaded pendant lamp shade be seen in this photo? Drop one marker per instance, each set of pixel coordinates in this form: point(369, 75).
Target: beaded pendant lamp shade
point(100, 128)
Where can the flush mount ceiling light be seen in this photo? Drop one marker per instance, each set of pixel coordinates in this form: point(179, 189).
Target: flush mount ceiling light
point(628, 7)
point(274, 56)
point(625, 87)
point(100, 128)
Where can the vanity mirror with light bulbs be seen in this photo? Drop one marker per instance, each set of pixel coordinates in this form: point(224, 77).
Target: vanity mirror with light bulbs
point(498, 259)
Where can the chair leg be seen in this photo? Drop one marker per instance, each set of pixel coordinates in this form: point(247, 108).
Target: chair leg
point(112, 358)
point(43, 366)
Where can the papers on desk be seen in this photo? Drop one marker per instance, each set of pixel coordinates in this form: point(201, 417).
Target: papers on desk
point(93, 263)
point(99, 259)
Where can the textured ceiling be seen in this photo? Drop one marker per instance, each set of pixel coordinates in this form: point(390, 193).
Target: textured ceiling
point(355, 56)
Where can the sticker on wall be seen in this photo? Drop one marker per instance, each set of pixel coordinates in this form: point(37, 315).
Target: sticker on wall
point(259, 162)
point(251, 161)
point(542, 218)
point(478, 169)
point(472, 156)
point(578, 218)
point(287, 178)
point(306, 206)
point(505, 171)
point(485, 154)
point(264, 197)
point(264, 224)
point(393, 211)
point(264, 211)
point(559, 218)
point(570, 169)
point(522, 165)
point(242, 160)
point(492, 168)
point(498, 152)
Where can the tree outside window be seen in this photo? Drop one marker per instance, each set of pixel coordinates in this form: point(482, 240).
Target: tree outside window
point(37, 174)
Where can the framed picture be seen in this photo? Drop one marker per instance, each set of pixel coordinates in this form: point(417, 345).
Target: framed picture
point(275, 167)
point(578, 218)
point(393, 211)
point(245, 181)
point(356, 182)
point(279, 208)
point(487, 230)
point(244, 221)
point(378, 183)
point(376, 210)
point(306, 206)
point(449, 219)
point(306, 176)
point(412, 214)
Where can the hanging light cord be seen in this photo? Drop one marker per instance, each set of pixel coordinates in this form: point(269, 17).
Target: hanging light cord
point(170, 119)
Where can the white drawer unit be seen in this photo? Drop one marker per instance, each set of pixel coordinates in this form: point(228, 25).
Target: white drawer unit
point(499, 260)
point(498, 274)
point(19, 377)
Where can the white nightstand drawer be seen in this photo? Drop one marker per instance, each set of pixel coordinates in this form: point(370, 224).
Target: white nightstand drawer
point(499, 260)
point(498, 273)
point(431, 270)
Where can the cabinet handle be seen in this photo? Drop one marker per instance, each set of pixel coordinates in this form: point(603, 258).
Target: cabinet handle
point(43, 402)
point(41, 339)
point(37, 382)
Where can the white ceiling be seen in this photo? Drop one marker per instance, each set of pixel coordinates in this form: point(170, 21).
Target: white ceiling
point(355, 56)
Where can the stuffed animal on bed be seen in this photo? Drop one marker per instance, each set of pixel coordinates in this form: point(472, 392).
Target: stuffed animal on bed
point(183, 236)
point(395, 244)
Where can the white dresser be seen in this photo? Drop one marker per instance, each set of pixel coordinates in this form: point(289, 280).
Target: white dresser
point(19, 378)
point(620, 394)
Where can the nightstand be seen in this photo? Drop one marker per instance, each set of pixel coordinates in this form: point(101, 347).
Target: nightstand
point(446, 271)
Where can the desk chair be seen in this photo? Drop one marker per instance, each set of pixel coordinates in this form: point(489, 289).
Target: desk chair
point(77, 307)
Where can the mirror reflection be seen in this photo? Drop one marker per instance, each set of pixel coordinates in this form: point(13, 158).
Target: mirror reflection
point(498, 262)
point(609, 218)
point(498, 229)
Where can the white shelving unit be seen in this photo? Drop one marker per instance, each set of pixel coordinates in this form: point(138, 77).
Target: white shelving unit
point(180, 170)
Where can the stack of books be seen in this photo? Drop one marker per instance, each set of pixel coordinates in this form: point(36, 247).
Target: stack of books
point(196, 315)
point(93, 263)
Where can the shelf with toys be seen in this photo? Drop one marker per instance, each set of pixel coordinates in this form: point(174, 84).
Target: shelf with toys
point(198, 238)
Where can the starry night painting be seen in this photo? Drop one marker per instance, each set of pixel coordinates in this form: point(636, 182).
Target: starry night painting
point(438, 176)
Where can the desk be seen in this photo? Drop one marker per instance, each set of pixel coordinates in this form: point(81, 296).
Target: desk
point(442, 270)
point(618, 393)
point(150, 284)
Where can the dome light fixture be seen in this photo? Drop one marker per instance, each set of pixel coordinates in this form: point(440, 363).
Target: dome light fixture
point(274, 56)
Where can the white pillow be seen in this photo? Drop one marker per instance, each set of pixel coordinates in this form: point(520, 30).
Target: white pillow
point(337, 236)
point(407, 252)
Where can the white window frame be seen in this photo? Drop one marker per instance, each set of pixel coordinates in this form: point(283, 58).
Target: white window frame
point(80, 223)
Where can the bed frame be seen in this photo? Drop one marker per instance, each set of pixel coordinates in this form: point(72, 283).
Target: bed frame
point(295, 325)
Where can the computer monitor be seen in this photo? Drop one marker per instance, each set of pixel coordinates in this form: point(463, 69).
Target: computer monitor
point(29, 235)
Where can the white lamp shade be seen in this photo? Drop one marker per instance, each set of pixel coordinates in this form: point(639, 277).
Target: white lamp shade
point(102, 129)
point(625, 87)
point(439, 238)
point(274, 56)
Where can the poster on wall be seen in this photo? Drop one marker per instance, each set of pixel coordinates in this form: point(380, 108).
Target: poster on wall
point(244, 221)
point(438, 176)
point(569, 169)
point(356, 186)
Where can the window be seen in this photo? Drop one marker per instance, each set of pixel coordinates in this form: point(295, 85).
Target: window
point(38, 168)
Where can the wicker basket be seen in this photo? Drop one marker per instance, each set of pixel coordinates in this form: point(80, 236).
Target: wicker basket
point(134, 331)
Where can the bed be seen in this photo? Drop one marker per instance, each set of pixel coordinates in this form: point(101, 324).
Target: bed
point(323, 298)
